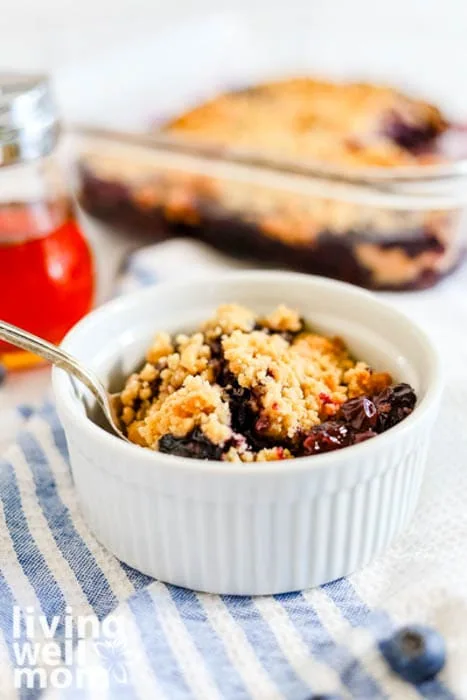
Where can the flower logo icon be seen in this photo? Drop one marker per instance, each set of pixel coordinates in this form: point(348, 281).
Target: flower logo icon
point(114, 656)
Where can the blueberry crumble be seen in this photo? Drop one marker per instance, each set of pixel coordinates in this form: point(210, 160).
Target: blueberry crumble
point(352, 124)
point(349, 125)
point(257, 388)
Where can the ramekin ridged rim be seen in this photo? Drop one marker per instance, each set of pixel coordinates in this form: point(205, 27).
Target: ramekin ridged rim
point(336, 459)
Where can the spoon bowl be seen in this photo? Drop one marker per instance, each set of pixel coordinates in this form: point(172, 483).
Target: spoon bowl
point(108, 402)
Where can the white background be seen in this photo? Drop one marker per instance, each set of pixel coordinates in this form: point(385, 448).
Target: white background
point(104, 53)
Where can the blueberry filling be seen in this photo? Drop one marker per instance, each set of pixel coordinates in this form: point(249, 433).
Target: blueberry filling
point(412, 137)
point(195, 445)
point(155, 385)
point(360, 413)
point(215, 347)
point(245, 412)
point(137, 403)
point(360, 419)
point(329, 254)
point(393, 405)
point(416, 245)
point(327, 437)
point(241, 404)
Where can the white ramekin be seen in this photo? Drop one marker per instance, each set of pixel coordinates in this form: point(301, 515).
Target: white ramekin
point(249, 528)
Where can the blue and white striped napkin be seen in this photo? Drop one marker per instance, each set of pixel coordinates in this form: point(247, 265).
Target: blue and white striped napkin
point(77, 623)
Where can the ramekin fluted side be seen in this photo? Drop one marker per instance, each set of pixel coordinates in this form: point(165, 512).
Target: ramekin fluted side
point(239, 540)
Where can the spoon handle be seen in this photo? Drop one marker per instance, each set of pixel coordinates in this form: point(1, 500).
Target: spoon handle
point(52, 353)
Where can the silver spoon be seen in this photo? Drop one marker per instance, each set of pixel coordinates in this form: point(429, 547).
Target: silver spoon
point(27, 341)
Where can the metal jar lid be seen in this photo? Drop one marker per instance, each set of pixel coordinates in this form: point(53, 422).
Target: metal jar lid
point(29, 125)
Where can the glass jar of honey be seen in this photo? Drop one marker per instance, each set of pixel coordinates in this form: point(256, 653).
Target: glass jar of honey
point(46, 267)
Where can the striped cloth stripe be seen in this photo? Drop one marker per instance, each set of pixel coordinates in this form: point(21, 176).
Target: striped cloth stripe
point(170, 643)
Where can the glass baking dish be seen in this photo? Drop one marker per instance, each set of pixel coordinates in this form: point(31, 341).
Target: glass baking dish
point(382, 228)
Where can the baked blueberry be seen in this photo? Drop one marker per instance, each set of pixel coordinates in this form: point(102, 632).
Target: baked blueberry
point(327, 437)
point(359, 413)
point(393, 405)
point(416, 653)
point(412, 137)
point(195, 445)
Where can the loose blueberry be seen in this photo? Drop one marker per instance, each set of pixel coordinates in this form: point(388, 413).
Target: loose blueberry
point(2, 374)
point(416, 653)
point(326, 696)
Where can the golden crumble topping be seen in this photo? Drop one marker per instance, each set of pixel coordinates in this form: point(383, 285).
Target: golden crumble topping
point(196, 403)
point(228, 318)
point(355, 124)
point(249, 388)
point(161, 347)
point(283, 319)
